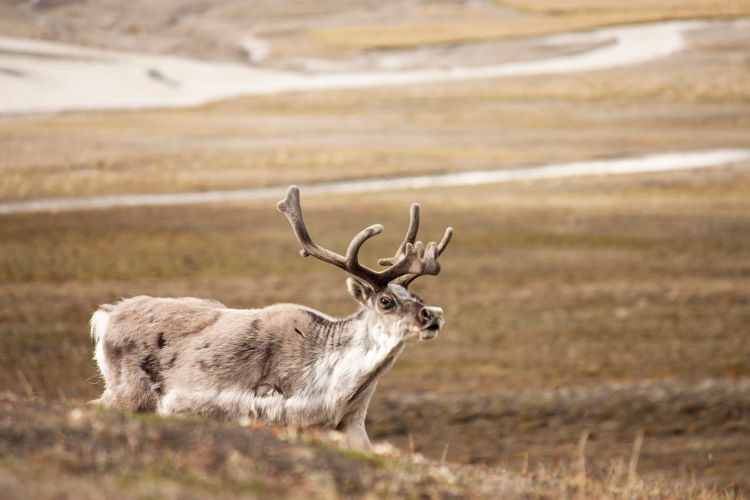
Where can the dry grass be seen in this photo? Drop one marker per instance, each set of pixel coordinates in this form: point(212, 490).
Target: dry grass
point(59, 449)
point(578, 283)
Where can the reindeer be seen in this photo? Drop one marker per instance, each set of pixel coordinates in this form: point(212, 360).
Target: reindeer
point(284, 364)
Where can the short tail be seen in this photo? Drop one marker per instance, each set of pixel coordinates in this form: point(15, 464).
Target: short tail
point(99, 321)
point(99, 324)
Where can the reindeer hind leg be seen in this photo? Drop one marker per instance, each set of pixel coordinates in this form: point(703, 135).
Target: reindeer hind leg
point(132, 379)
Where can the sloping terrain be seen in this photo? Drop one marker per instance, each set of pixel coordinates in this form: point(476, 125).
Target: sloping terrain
point(64, 451)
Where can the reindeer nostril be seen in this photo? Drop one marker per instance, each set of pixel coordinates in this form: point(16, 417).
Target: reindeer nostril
point(426, 314)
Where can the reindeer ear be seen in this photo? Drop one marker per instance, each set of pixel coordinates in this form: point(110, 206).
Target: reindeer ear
point(359, 290)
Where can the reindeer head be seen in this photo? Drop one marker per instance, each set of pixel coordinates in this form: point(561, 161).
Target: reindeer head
point(383, 294)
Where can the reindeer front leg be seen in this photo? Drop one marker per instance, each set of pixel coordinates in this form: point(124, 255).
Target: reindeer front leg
point(356, 436)
point(353, 422)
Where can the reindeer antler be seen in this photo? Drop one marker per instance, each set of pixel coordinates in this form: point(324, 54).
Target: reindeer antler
point(411, 260)
point(427, 256)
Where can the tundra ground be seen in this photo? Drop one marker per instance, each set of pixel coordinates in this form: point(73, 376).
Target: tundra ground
point(606, 306)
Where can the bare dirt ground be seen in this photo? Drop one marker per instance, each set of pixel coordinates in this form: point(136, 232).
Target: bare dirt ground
point(582, 313)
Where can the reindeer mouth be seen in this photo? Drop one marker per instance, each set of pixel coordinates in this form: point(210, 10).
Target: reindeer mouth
point(430, 331)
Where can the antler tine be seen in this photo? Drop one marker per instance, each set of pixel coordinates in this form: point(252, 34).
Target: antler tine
point(446, 239)
point(411, 236)
point(412, 258)
point(291, 207)
point(430, 264)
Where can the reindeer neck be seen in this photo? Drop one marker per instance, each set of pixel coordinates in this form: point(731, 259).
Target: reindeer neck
point(353, 353)
point(361, 331)
point(329, 333)
point(360, 334)
point(374, 352)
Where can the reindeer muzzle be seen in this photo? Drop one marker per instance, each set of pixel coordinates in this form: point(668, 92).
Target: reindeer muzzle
point(432, 322)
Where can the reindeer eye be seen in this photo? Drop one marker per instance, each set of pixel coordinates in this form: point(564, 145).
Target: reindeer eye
point(386, 302)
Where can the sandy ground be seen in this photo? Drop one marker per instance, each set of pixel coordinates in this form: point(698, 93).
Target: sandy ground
point(38, 76)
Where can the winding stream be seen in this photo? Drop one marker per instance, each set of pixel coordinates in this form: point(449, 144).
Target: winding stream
point(650, 163)
point(40, 76)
